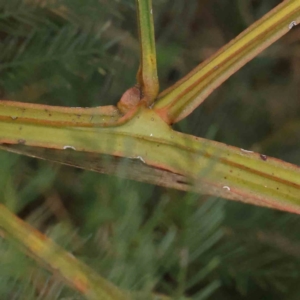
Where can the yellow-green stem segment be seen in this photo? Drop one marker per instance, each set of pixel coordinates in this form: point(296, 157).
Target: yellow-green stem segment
point(147, 74)
point(71, 270)
point(218, 169)
point(187, 94)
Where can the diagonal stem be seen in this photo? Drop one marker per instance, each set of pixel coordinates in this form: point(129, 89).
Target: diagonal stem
point(147, 74)
point(72, 271)
point(187, 94)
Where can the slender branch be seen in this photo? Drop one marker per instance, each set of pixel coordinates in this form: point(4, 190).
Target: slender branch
point(187, 94)
point(147, 74)
point(62, 115)
point(73, 272)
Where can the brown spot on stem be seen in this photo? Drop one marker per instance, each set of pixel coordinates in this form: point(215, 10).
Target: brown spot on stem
point(263, 157)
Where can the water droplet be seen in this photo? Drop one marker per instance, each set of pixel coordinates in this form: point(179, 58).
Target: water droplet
point(14, 117)
point(292, 24)
point(141, 159)
point(69, 147)
point(21, 141)
point(246, 151)
point(226, 188)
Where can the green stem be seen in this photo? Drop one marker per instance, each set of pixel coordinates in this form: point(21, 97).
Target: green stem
point(73, 272)
point(212, 167)
point(147, 74)
point(187, 94)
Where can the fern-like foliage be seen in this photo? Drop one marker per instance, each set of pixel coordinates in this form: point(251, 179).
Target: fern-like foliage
point(145, 239)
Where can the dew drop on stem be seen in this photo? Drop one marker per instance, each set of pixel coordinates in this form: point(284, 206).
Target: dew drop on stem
point(292, 24)
point(226, 188)
point(141, 159)
point(69, 147)
point(246, 151)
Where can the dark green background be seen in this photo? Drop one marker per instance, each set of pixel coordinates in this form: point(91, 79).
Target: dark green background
point(141, 237)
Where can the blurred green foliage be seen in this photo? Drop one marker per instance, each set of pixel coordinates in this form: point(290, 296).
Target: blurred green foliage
point(141, 237)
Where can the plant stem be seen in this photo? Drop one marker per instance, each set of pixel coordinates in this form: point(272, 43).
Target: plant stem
point(212, 167)
point(147, 74)
point(178, 101)
point(72, 271)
